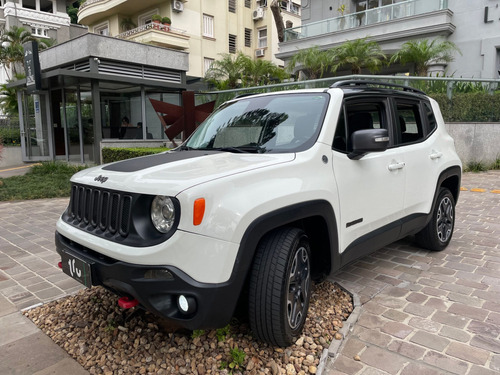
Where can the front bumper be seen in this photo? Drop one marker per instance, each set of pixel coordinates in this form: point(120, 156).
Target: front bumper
point(214, 303)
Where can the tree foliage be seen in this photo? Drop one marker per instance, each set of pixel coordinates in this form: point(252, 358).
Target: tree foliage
point(233, 71)
point(423, 53)
point(358, 54)
point(312, 61)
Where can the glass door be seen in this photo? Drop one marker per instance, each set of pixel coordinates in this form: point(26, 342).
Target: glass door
point(36, 135)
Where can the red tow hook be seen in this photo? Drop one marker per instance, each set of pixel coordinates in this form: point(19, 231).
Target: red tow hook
point(59, 264)
point(127, 303)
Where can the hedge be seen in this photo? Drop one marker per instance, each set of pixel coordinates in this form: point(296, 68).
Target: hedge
point(110, 154)
point(10, 137)
point(469, 107)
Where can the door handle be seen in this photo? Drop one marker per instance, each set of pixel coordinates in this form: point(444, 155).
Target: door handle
point(435, 155)
point(396, 166)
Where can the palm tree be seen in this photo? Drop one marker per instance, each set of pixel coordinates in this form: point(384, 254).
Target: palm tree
point(260, 72)
point(312, 62)
point(358, 54)
point(8, 97)
point(226, 72)
point(423, 53)
point(11, 49)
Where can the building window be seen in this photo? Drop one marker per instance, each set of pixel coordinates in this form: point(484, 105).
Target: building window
point(145, 19)
point(248, 37)
point(208, 26)
point(39, 31)
point(207, 63)
point(290, 6)
point(102, 29)
point(232, 6)
point(262, 37)
point(232, 43)
point(248, 3)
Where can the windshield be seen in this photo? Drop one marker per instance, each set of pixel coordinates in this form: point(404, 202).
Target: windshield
point(275, 123)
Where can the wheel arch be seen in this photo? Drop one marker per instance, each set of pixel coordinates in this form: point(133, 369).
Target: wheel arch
point(450, 179)
point(318, 221)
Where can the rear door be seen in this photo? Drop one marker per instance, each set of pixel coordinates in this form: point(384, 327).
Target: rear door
point(421, 152)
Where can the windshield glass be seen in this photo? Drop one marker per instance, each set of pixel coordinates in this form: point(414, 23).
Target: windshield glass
point(275, 123)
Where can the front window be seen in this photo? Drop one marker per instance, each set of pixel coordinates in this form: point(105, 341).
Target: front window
point(275, 123)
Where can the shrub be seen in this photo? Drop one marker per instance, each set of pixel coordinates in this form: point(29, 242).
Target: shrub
point(470, 107)
point(110, 154)
point(10, 137)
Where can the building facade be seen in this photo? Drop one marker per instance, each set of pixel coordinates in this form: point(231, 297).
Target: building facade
point(204, 29)
point(474, 26)
point(45, 19)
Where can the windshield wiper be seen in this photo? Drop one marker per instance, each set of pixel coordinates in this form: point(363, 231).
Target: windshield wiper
point(241, 149)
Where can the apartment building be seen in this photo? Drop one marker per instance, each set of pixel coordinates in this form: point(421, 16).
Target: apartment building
point(474, 26)
point(204, 29)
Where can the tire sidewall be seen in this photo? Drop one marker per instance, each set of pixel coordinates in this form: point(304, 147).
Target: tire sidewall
point(301, 241)
point(443, 194)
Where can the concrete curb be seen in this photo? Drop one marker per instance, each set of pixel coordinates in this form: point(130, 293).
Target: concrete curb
point(336, 345)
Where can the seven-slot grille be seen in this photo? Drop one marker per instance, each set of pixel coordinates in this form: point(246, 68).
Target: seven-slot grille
point(94, 208)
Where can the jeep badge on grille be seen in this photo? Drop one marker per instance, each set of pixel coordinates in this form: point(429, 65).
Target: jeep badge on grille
point(101, 179)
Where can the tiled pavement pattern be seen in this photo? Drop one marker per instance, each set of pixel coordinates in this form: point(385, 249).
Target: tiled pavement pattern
point(426, 312)
point(422, 313)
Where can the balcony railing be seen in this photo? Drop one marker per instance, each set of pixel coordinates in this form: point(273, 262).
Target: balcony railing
point(150, 26)
point(365, 18)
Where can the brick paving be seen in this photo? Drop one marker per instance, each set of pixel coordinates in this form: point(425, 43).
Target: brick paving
point(28, 260)
point(430, 312)
point(421, 312)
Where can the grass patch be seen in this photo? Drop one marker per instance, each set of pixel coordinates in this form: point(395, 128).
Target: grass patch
point(48, 180)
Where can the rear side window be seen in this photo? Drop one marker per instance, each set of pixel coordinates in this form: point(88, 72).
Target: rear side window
point(431, 119)
point(408, 122)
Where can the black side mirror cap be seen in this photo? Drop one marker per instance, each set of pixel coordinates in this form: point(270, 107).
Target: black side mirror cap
point(368, 140)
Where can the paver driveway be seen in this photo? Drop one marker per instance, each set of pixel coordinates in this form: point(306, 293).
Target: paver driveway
point(431, 312)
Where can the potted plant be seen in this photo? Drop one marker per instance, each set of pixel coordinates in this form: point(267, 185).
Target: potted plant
point(156, 18)
point(167, 22)
point(127, 24)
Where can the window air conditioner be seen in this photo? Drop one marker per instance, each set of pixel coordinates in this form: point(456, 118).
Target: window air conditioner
point(177, 6)
point(258, 14)
point(259, 52)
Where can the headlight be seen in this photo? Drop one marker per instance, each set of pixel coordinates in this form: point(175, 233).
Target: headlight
point(163, 213)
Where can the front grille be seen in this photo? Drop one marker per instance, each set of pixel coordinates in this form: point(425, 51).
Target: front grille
point(95, 208)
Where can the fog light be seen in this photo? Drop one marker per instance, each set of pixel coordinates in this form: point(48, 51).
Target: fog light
point(186, 305)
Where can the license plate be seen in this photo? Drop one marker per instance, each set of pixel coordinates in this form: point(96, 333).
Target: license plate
point(76, 268)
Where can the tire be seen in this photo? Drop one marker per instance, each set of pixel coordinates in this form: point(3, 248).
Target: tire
point(280, 286)
point(438, 232)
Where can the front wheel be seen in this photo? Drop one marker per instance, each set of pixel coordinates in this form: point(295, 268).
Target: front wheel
point(438, 232)
point(280, 286)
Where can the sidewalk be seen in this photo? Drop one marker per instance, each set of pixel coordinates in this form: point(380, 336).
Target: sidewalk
point(421, 312)
point(16, 170)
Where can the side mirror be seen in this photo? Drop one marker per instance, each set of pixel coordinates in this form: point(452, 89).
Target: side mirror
point(369, 140)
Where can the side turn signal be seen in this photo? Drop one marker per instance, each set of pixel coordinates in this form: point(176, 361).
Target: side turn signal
point(198, 211)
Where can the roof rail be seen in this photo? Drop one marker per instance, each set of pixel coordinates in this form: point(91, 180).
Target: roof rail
point(354, 82)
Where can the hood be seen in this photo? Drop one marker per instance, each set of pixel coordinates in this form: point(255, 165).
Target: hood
point(171, 172)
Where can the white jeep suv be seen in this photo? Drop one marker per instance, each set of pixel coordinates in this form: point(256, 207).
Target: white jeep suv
point(271, 192)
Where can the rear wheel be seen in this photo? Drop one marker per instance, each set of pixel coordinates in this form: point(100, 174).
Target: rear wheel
point(280, 286)
point(438, 232)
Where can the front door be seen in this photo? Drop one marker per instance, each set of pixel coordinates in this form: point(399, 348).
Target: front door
point(36, 132)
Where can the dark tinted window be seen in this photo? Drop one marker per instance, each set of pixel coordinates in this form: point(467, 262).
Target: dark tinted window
point(408, 122)
point(431, 120)
point(358, 116)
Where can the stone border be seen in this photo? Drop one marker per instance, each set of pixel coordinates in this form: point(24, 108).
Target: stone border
point(336, 345)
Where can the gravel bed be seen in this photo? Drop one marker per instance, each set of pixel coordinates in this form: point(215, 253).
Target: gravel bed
point(105, 339)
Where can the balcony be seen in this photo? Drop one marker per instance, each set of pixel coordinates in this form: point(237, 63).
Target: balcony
point(411, 18)
point(158, 34)
point(93, 10)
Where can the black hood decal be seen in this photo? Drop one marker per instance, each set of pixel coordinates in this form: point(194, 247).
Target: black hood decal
point(137, 164)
